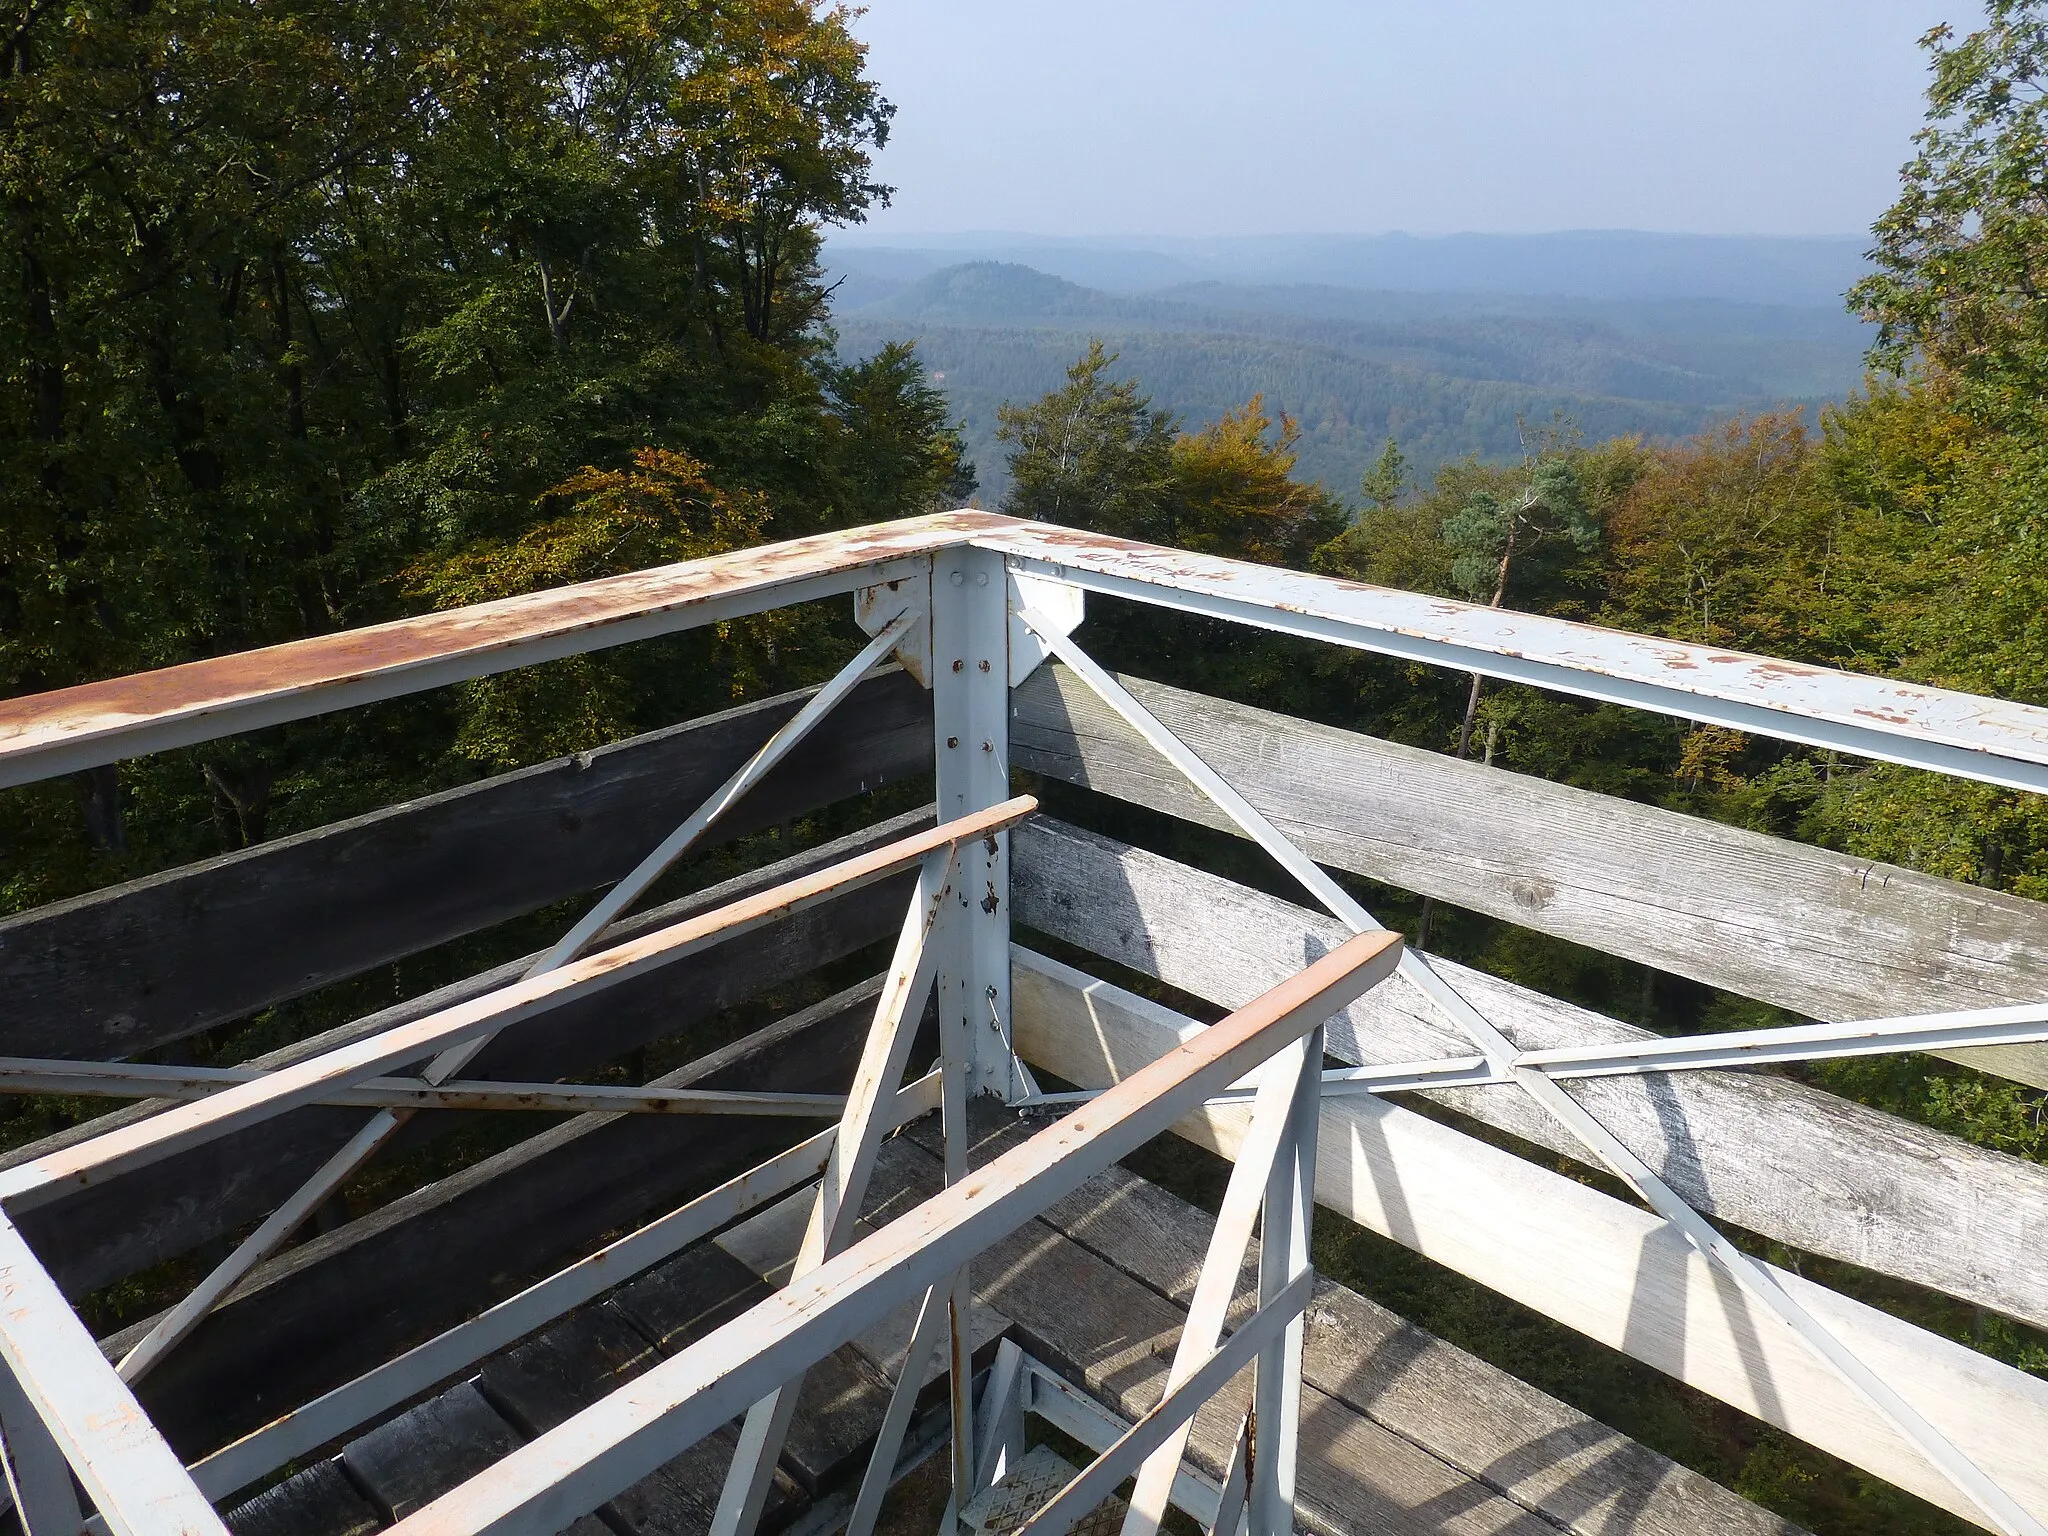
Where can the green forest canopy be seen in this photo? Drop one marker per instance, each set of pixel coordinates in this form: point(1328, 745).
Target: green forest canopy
point(321, 313)
point(1448, 374)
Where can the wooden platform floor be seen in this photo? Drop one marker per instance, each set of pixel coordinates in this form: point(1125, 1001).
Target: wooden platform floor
point(1402, 1433)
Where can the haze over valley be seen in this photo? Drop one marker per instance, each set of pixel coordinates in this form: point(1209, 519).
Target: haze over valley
point(1452, 345)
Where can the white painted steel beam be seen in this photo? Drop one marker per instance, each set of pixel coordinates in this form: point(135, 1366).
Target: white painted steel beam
point(1049, 1396)
point(132, 1146)
point(926, 1337)
point(2020, 1024)
point(927, 925)
point(999, 1416)
point(800, 725)
point(1175, 1412)
point(128, 1471)
point(1974, 737)
point(1284, 1264)
point(149, 1080)
point(44, 735)
point(1267, 1146)
point(548, 1483)
point(2004, 1512)
point(1993, 740)
point(355, 1403)
point(971, 750)
point(1229, 1518)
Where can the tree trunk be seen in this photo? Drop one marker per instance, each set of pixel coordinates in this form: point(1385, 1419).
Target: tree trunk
point(1500, 594)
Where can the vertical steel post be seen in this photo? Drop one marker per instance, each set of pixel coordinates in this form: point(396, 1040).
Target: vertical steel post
point(1284, 1255)
point(999, 1416)
point(37, 1475)
point(971, 735)
point(970, 665)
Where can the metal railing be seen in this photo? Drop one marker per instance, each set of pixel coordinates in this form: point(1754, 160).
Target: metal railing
point(971, 603)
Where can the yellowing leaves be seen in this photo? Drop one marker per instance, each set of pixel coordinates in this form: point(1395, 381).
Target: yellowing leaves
point(663, 509)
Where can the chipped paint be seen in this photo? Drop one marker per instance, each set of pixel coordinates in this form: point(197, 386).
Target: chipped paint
point(202, 700)
point(1994, 740)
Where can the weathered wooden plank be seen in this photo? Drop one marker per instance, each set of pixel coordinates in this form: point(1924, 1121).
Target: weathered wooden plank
point(844, 1397)
point(1814, 931)
point(120, 971)
point(1613, 1272)
point(681, 1301)
point(557, 1373)
point(1115, 1337)
point(1792, 1162)
point(590, 1353)
point(679, 1499)
point(320, 1501)
point(673, 1306)
point(519, 1394)
point(767, 1242)
point(842, 1401)
point(446, 1440)
point(427, 1450)
point(101, 1233)
point(1519, 1441)
point(318, 1314)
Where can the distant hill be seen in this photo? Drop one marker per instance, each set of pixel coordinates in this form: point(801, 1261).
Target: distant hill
point(1593, 264)
point(1448, 374)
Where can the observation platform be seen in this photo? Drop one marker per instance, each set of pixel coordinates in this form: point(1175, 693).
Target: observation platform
point(1402, 1433)
point(894, 1232)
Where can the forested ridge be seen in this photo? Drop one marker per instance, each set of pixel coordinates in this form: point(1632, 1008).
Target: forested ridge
point(1448, 374)
point(318, 314)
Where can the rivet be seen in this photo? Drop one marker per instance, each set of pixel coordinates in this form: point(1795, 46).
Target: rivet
point(959, 578)
point(984, 666)
point(952, 741)
point(981, 579)
point(988, 746)
point(958, 665)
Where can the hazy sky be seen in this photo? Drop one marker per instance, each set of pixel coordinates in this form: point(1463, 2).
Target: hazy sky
point(1197, 117)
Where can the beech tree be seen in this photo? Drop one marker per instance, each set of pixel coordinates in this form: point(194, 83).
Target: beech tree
point(301, 299)
point(1962, 256)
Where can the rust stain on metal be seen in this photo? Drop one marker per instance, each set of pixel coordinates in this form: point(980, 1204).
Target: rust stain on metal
point(353, 655)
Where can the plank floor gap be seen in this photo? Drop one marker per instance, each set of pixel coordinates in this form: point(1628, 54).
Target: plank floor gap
point(1429, 1437)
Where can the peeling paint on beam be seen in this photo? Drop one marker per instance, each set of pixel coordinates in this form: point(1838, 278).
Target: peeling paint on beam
point(47, 734)
point(571, 1469)
point(1993, 740)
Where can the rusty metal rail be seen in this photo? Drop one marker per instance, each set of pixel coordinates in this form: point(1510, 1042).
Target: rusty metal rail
point(970, 602)
point(1950, 732)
